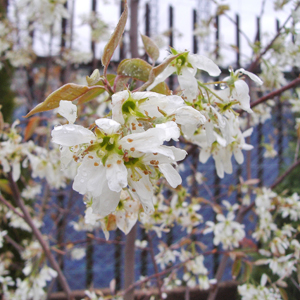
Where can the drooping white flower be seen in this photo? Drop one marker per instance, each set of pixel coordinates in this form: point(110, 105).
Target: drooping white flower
point(238, 90)
point(185, 66)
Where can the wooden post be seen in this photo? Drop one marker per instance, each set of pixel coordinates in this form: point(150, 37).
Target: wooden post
point(238, 50)
point(129, 274)
point(195, 39)
point(171, 41)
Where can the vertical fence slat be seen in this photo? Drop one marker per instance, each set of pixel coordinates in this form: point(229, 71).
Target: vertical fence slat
point(238, 49)
point(171, 41)
point(195, 39)
point(93, 44)
point(118, 259)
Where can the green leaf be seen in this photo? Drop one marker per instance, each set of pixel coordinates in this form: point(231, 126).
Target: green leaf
point(162, 88)
point(221, 9)
point(150, 47)
point(135, 68)
point(5, 187)
point(115, 38)
point(236, 267)
point(283, 294)
point(94, 78)
point(69, 92)
point(298, 272)
point(120, 83)
point(247, 271)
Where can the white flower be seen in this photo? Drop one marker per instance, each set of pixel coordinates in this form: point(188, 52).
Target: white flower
point(110, 161)
point(67, 110)
point(127, 107)
point(251, 292)
point(238, 89)
point(2, 234)
point(78, 253)
point(227, 232)
point(185, 66)
point(165, 256)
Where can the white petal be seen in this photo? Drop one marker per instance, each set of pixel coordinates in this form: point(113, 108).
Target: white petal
point(179, 154)
point(171, 130)
point(165, 154)
point(68, 110)
point(152, 138)
point(188, 115)
point(125, 221)
point(188, 84)
point(254, 77)
point(226, 158)
point(247, 147)
point(161, 151)
point(106, 203)
point(209, 130)
point(144, 190)
point(108, 126)
point(238, 155)
point(248, 132)
point(90, 177)
point(241, 94)
point(219, 166)
point(71, 135)
point(143, 141)
point(117, 101)
point(203, 63)
point(169, 70)
point(170, 174)
point(168, 104)
point(116, 173)
point(66, 156)
point(16, 170)
point(204, 155)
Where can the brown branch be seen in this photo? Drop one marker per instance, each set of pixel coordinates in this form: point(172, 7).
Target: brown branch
point(168, 270)
point(5, 202)
point(288, 171)
point(18, 247)
point(271, 95)
point(268, 47)
point(36, 232)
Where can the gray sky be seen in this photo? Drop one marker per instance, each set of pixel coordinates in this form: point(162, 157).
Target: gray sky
point(248, 11)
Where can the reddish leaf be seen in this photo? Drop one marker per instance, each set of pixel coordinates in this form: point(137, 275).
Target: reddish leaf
point(30, 128)
point(115, 38)
point(68, 92)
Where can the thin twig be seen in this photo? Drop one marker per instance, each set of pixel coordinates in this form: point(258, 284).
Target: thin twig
point(268, 47)
point(18, 247)
point(287, 172)
point(272, 95)
point(297, 150)
point(36, 232)
point(5, 202)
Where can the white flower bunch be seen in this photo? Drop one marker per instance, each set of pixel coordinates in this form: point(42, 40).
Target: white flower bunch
point(122, 153)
